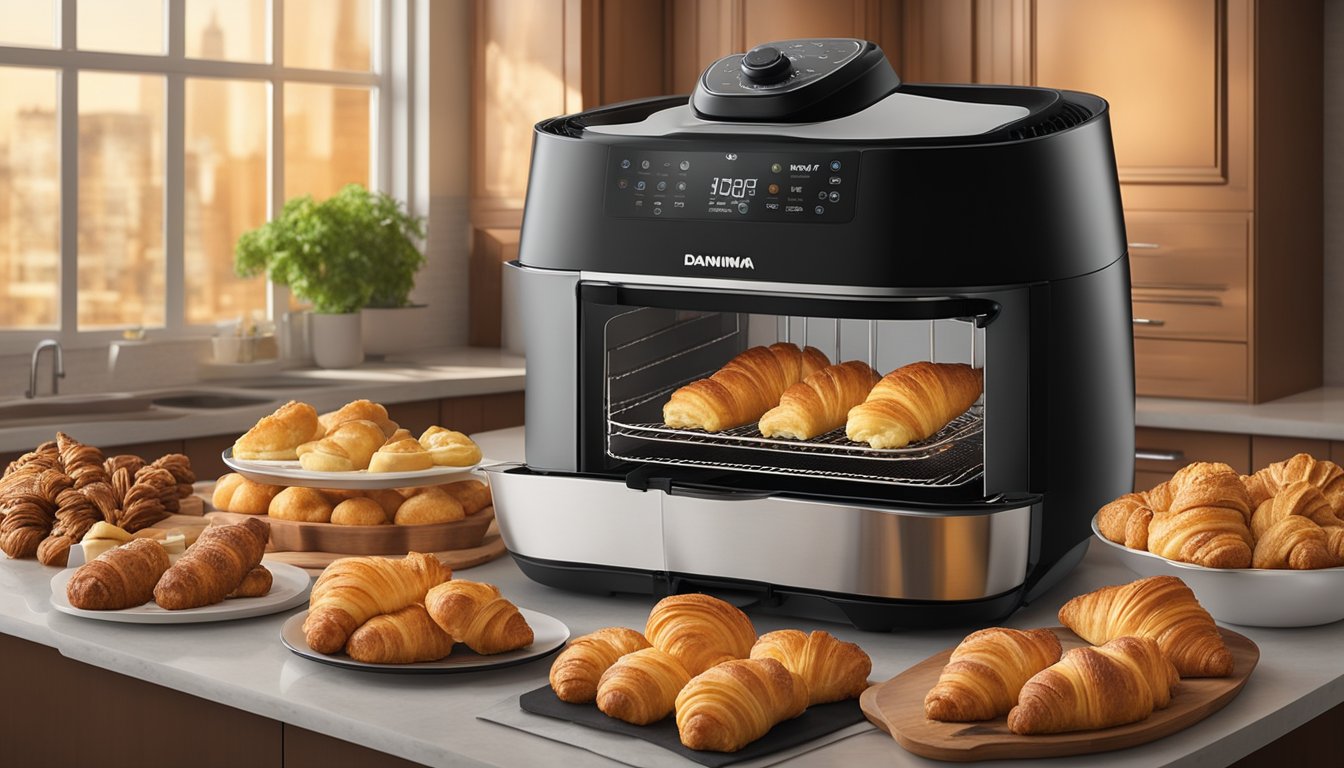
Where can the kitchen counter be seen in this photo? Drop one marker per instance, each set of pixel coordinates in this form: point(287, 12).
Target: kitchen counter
point(432, 718)
point(1316, 413)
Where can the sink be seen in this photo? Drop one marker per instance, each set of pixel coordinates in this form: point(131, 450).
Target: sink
point(72, 405)
point(206, 400)
point(283, 383)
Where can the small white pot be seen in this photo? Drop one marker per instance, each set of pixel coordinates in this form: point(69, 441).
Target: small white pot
point(336, 340)
point(394, 330)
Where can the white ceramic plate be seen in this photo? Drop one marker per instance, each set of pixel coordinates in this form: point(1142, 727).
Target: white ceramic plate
point(1255, 597)
point(289, 587)
point(548, 635)
point(293, 473)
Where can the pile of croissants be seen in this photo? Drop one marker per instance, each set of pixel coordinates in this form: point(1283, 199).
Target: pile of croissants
point(699, 656)
point(426, 505)
point(1145, 636)
point(797, 394)
point(52, 495)
point(384, 611)
point(1288, 515)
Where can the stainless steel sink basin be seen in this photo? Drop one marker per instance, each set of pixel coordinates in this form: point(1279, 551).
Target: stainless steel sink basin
point(205, 400)
point(71, 406)
point(282, 383)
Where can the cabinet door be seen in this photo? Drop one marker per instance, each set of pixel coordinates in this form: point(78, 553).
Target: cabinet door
point(1158, 453)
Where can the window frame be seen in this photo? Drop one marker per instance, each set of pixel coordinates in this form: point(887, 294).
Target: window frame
point(387, 113)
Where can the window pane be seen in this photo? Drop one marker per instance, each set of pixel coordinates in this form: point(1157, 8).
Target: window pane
point(123, 26)
point(326, 139)
point(121, 263)
point(28, 22)
point(318, 38)
point(233, 30)
point(30, 199)
point(224, 195)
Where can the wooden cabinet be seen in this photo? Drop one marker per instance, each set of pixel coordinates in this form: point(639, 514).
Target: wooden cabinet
point(1160, 452)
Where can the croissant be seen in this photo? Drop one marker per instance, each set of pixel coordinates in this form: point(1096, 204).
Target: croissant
point(450, 449)
point(1325, 475)
point(731, 705)
point(214, 566)
point(1126, 520)
point(1120, 682)
point(913, 402)
point(819, 403)
point(256, 583)
point(833, 669)
point(641, 687)
point(346, 448)
point(475, 614)
point(123, 577)
point(278, 435)
point(401, 637)
point(1294, 542)
point(986, 672)
point(1300, 498)
point(700, 631)
point(743, 389)
point(1208, 521)
point(1162, 608)
point(578, 669)
point(353, 590)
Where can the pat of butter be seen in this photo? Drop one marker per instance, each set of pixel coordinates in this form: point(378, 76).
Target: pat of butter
point(108, 531)
point(95, 547)
point(175, 544)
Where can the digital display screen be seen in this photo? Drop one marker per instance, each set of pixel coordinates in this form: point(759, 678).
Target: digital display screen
point(725, 186)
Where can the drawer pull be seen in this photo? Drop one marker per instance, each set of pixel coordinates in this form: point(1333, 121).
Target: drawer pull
point(1149, 321)
point(1212, 287)
point(1144, 246)
point(1143, 454)
point(1194, 301)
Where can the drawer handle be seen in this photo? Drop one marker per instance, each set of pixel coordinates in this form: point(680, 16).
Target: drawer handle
point(1212, 287)
point(1194, 301)
point(1144, 246)
point(1149, 321)
point(1144, 454)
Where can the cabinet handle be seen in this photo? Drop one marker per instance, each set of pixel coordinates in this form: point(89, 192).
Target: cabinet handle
point(1144, 246)
point(1143, 454)
point(1148, 321)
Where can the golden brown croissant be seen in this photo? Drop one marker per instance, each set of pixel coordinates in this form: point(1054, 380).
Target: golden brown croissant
point(1325, 475)
point(214, 566)
point(1126, 520)
point(1120, 682)
point(474, 614)
point(743, 389)
point(833, 669)
point(1162, 608)
point(1208, 520)
point(1300, 498)
point(353, 590)
point(346, 448)
point(256, 583)
point(401, 637)
point(641, 687)
point(820, 402)
point(450, 449)
point(1293, 542)
point(1280, 544)
point(986, 671)
point(729, 706)
point(123, 577)
point(278, 435)
point(913, 402)
point(578, 668)
point(357, 409)
point(700, 631)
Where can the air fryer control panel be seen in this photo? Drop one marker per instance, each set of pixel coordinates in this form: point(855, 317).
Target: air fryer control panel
point(785, 186)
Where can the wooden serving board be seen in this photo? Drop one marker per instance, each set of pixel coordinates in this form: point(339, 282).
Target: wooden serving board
point(457, 559)
point(897, 707)
point(293, 536)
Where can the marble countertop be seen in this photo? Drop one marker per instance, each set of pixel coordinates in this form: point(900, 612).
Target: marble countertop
point(1316, 413)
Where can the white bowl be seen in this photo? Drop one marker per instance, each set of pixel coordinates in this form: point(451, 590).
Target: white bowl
point(1256, 597)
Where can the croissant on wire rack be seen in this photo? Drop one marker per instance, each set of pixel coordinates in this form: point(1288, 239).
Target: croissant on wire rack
point(1208, 520)
point(819, 403)
point(913, 402)
point(700, 631)
point(474, 613)
point(401, 637)
point(1162, 608)
point(214, 566)
point(986, 671)
point(731, 705)
point(123, 577)
point(353, 590)
point(1120, 682)
point(578, 669)
point(833, 669)
point(743, 389)
point(641, 687)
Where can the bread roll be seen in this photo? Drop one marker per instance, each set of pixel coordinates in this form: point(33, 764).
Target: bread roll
point(402, 456)
point(450, 449)
point(358, 409)
point(388, 498)
point(277, 436)
point(360, 511)
point(432, 505)
point(304, 505)
point(346, 448)
point(235, 493)
point(473, 495)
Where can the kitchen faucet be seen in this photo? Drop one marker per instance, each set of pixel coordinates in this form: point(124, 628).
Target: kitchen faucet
point(57, 367)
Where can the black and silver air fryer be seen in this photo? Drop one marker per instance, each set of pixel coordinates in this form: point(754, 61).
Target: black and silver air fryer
point(805, 194)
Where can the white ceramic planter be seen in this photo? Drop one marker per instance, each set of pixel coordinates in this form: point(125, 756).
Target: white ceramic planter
point(394, 330)
point(336, 340)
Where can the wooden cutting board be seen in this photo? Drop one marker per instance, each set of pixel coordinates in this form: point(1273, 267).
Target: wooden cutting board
point(897, 707)
point(457, 559)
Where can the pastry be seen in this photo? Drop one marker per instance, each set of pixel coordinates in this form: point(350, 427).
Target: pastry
point(1126, 520)
point(450, 449)
point(833, 669)
point(388, 498)
point(405, 636)
point(402, 456)
point(913, 402)
point(578, 668)
point(401, 434)
point(1327, 476)
point(1283, 530)
point(1120, 682)
point(641, 687)
point(473, 495)
point(256, 583)
point(123, 577)
point(358, 409)
point(731, 705)
point(743, 389)
point(303, 505)
point(277, 436)
point(474, 614)
point(431, 505)
point(214, 566)
point(346, 448)
point(986, 671)
point(821, 402)
point(1207, 522)
point(358, 511)
point(1159, 607)
point(700, 631)
point(353, 590)
point(235, 493)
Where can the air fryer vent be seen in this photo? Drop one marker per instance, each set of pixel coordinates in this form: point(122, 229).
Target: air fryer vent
point(1067, 116)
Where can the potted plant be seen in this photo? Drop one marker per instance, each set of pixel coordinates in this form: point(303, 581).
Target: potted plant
point(340, 255)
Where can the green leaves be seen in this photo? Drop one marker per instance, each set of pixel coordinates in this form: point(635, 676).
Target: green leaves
point(352, 250)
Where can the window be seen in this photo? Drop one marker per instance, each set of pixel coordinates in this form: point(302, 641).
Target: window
point(139, 138)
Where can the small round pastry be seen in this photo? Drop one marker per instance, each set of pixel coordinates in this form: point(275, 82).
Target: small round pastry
point(388, 498)
point(401, 434)
point(473, 495)
point(346, 448)
point(275, 437)
point(304, 505)
point(337, 495)
point(235, 493)
point(402, 456)
point(359, 511)
point(359, 409)
point(450, 449)
point(430, 506)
